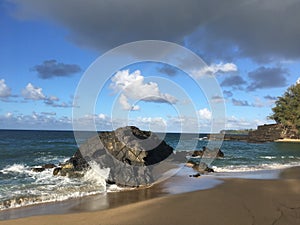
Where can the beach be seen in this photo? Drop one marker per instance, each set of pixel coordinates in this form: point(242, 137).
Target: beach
point(234, 201)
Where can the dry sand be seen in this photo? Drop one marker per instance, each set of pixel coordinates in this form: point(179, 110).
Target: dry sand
point(235, 202)
point(288, 140)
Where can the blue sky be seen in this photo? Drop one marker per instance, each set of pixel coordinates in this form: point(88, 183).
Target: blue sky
point(47, 46)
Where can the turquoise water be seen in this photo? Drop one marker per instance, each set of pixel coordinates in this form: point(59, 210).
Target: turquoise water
point(22, 150)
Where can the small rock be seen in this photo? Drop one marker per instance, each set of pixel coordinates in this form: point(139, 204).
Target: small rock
point(197, 153)
point(189, 164)
point(56, 171)
point(68, 166)
point(220, 154)
point(209, 170)
point(49, 166)
point(195, 175)
point(202, 168)
point(38, 169)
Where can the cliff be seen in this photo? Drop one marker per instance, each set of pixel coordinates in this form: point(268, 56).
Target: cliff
point(266, 133)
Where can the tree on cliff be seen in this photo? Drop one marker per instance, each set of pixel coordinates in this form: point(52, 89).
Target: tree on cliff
point(287, 109)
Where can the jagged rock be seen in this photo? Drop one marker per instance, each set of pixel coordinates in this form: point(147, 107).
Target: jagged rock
point(202, 168)
point(128, 151)
point(56, 171)
point(38, 169)
point(69, 166)
point(208, 153)
point(197, 153)
point(49, 166)
point(220, 154)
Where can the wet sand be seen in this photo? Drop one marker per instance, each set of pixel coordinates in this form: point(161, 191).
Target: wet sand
point(235, 201)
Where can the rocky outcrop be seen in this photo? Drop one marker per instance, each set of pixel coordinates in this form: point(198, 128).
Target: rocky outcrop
point(215, 153)
point(266, 133)
point(134, 157)
point(127, 151)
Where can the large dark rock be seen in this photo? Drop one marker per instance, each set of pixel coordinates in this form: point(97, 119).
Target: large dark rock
point(127, 151)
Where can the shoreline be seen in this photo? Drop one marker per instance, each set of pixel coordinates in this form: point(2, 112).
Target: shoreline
point(231, 194)
point(287, 140)
point(178, 183)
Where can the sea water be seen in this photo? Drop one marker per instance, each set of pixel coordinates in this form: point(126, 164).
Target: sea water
point(22, 150)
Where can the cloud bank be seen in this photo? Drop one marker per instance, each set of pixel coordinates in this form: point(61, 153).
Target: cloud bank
point(262, 30)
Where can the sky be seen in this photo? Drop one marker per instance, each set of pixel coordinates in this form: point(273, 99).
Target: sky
point(249, 47)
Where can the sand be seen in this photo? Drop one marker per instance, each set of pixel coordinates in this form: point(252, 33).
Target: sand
point(234, 202)
point(288, 140)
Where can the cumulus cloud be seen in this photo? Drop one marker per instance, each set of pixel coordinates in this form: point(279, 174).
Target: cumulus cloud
point(123, 100)
point(254, 29)
point(30, 92)
point(5, 91)
point(52, 68)
point(214, 69)
point(264, 77)
point(33, 93)
point(298, 81)
point(133, 87)
point(204, 114)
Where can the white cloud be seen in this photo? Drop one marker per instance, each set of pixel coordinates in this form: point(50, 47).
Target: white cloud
point(243, 123)
point(204, 114)
point(298, 81)
point(5, 91)
point(30, 92)
point(33, 93)
point(9, 115)
point(101, 116)
point(214, 69)
point(123, 100)
point(150, 123)
point(133, 87)
point(35, 121)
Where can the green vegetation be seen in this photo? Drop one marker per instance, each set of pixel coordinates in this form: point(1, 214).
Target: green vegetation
point(287, 109)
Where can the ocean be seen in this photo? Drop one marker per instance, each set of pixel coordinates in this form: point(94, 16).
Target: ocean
point(22, 150)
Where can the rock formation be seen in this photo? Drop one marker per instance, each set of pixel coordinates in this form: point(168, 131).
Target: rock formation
point(127, 151)
point(135, 157)
point(266, 133)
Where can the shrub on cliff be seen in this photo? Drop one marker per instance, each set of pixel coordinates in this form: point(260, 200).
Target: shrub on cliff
point(287, 109)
